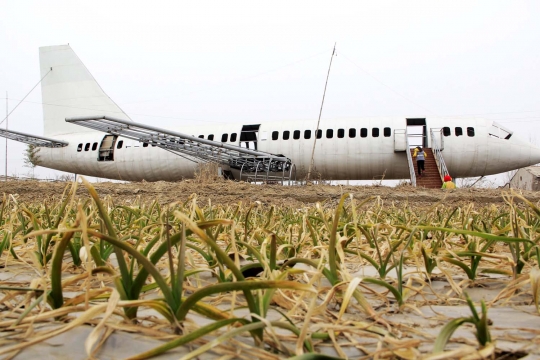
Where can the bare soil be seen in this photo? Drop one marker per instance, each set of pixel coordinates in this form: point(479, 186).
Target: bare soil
point(228, 192)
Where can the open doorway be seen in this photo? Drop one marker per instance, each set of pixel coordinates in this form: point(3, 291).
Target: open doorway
point(248, 136)
point(417, 132)
point(106, 149)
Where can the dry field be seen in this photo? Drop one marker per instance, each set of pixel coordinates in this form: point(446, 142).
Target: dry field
point(232, 270)
point(228, 192)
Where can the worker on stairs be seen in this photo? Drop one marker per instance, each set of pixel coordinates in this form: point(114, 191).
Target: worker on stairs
point(420, 156)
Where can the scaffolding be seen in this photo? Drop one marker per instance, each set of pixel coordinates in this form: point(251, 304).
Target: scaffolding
point(249, 164)
point(32, 139)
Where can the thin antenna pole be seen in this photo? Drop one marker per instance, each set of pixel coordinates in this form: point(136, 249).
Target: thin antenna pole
point(7, 122)
point(320, 113)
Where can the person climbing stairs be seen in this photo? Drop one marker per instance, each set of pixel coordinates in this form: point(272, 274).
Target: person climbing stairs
point(430, 177)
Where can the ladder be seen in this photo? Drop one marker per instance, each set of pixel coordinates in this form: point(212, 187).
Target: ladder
point(246, 163)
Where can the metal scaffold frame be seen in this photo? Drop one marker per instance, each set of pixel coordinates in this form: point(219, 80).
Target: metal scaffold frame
point(32, 139)
point(437, 152)
point(194, 148)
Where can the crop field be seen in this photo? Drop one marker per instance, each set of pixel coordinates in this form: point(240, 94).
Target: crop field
point(237, 271)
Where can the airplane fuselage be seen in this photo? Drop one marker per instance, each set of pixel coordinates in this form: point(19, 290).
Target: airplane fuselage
point(361, 149)
point(76, 140)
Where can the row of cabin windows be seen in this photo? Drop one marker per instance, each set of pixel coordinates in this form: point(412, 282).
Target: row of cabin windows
point(375, 132)
point(387, 132)
point(458, 131)
point(119, 145)
point(87, 147)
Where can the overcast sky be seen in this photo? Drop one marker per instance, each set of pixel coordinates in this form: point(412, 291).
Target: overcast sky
point(170, 63)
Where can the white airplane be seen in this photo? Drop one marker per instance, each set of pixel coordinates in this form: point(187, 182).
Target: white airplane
point(110, 145)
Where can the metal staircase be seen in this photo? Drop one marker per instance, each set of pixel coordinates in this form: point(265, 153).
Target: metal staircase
point(430, 178)
point(41, 141)
point(246, 164)
point(437, 148)
point(412, 171)
point(434, 163)
point(401, 143)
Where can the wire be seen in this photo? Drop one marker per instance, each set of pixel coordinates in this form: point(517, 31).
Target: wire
point(177, 118)
point(496, 113)
point(20, 102)
point(120, 112)
point(514, 120)
point(237, 79)
point(386, 86)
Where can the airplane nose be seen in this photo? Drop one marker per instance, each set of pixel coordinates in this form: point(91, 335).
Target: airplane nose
point(535, 155)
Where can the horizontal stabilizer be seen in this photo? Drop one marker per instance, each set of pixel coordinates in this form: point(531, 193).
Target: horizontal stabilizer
point(197, 149)
point(32, 139)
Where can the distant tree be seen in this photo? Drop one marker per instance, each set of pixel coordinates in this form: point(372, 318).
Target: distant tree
point(31, 157)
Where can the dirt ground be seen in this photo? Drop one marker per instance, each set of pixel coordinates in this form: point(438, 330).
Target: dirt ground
point(227, 192)
point(430, 306)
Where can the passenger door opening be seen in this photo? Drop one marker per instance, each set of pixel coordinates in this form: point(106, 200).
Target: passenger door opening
point(417, 132)
point(106, 148)
point(248, 136)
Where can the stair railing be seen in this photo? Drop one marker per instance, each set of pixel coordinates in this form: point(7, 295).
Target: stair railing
point(410, 161)
point(437, 153)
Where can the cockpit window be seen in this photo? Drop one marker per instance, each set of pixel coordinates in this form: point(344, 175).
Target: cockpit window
point(499, 131)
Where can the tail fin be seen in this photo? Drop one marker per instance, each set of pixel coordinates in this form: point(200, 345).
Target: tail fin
point(69, 90)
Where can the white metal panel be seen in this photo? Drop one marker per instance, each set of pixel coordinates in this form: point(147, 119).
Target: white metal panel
point(70, 90)
point(346, 158)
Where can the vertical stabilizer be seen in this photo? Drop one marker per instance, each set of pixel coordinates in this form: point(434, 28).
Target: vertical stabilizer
point(70, 90)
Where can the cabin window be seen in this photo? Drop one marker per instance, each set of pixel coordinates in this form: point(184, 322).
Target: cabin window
point(201, 136)
point(94, 146)
point(341, 133)
point(329, 133)
point(87, 147)
point(224, 137)
point(296, 134)
point(375, 132)
point(275, 135)
point(387, 132)
point(319, 133)
point(211, 137)
point(120, 144)
point(286, 135)
point(79, 147)
point(233, 137)
point(363, 132)
point(352, 132)
point(458, 131)
point(145, 145)
point(307, 134)
point(470, 131)
point(446, 131)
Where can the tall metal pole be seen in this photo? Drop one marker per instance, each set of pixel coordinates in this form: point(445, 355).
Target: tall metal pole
point(320, 113)
point(7, 122)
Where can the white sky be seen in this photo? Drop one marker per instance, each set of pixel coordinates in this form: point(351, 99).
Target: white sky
point(170, 63)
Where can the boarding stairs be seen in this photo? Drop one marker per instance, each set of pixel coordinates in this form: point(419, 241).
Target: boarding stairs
point(244, 164)
point(435, 167)
point(431, 178)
